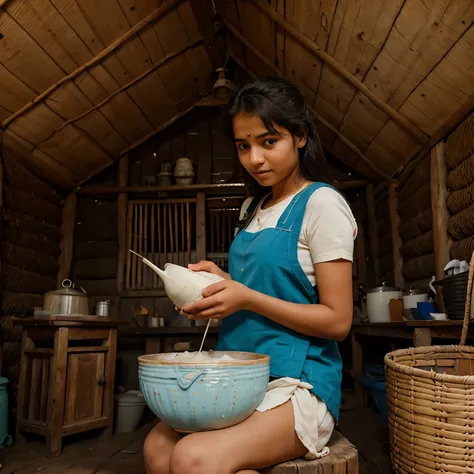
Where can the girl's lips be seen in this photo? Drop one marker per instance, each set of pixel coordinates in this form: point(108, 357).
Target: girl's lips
point(261, 173)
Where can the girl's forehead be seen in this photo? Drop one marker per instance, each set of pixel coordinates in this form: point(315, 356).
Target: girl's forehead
point(249, 125)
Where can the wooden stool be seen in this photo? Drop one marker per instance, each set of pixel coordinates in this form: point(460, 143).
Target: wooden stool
point(67, 372)
point(343, 459)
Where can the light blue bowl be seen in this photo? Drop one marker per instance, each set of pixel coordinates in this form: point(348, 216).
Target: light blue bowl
point(205, 395)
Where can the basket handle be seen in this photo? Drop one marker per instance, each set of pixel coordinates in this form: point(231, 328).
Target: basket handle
point(467, 311)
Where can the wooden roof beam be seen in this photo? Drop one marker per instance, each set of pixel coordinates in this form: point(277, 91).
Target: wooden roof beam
point(420, 136)
point(318, 117)
point(140, 142)
point(142, 76)
point(152, 17)
point(451, 123)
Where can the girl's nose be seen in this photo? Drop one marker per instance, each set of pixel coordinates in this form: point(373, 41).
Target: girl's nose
point(256, 157)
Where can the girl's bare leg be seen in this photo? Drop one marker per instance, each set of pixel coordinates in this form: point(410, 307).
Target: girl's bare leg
point(158, 447)
point(262, 440)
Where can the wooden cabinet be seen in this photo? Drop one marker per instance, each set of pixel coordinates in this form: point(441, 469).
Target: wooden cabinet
point(67, 373)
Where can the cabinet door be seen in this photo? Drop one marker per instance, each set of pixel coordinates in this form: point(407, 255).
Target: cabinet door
point(85, 387)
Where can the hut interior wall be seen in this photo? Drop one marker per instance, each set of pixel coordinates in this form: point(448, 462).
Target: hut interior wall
point(200, 136)
point(459, 154)
point(384, 235)
point(94, 265)
point(29, 248)
point(416, 229)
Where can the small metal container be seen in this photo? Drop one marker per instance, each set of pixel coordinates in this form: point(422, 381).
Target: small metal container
point(102, 308)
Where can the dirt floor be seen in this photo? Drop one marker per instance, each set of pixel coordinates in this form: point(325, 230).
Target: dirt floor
point(123, 455)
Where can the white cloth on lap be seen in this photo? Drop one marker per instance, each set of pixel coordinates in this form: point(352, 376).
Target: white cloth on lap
point(314, 423)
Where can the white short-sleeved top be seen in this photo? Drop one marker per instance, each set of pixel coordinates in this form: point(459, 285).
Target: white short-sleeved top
point(327, 233)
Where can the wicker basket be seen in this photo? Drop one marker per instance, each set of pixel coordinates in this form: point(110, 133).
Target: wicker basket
point(430, 394)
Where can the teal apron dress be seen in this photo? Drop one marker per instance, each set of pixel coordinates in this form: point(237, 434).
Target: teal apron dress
point(267, 261)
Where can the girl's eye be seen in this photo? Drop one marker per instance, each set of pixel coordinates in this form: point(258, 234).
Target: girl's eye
point(242, 146)
point(270, 141)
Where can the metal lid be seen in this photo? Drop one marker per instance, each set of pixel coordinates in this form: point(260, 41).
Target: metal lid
point(68, 290)
point(382, 288)
point(415, 291)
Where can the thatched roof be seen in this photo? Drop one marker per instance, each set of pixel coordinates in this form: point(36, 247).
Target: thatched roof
point(85, 81)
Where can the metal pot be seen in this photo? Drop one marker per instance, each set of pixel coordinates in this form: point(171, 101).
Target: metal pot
point(413, 297)
point(102, 308)
point(66, 301)
point(378, 299)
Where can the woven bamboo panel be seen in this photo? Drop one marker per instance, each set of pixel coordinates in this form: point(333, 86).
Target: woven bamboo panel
point(462, 249)
point(18, 303)
point(21, 178)
point(460, 143)
point(416, 227)
point(461, 225)
point(11, 333)
point(26, 203)
point(30, 225)
point(95, 249)
point(420, 246)
point(419, 177)
point(16, 279)
point(15, 236)
point(460, 199)
point(30, 259)
point(418, 268)
point(418, 202)
point(463, 175)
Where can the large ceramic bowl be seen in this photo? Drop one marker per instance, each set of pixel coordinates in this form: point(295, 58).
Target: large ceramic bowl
point(203, 395)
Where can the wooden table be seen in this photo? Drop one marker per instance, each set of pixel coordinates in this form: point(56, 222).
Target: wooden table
point(67, 372)
point(420, 332)
point(155, 337)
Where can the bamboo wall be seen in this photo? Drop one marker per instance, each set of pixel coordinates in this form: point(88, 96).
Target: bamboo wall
point(384, 235)
point(459, 154)
point(201, 136)
point(94, 264)
point(29, 249)
point(416, 227)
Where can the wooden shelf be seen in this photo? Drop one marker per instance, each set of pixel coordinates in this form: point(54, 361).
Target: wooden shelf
point(93, 190)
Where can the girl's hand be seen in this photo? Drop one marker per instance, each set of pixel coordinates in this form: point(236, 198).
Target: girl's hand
point(207, 266)
point(220, 300)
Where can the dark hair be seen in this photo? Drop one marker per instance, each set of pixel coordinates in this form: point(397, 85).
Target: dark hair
point(276, 101)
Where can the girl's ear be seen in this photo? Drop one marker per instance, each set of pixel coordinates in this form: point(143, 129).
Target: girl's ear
point(301, 140)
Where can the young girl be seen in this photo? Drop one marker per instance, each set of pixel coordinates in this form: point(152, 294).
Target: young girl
point(288, 294)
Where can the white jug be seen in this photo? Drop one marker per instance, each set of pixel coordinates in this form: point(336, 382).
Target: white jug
point(182, 286)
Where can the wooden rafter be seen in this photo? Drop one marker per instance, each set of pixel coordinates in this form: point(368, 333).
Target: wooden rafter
point(397, 117)
point(140, 142)
point(92, 190)
point(139, 78)
point(153, 16)
point(318, 117)
point(404, 172)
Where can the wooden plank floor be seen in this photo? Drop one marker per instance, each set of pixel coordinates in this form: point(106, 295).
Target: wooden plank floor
point(365, 430)
point(124, 454)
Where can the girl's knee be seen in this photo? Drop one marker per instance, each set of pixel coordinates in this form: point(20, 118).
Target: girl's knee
point(191, 457)
point(156, 455)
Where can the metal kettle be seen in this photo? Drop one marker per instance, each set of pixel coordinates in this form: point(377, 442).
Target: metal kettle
point(67, 300)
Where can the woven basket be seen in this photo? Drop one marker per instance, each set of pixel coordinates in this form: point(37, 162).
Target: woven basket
point(430, 394)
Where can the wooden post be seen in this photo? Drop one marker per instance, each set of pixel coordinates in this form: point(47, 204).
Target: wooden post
point(396, 240)
point(122, 205)
point(373, 237)
point(201, 226)
point(439, 195)
point(67, 237)
point(1, 242)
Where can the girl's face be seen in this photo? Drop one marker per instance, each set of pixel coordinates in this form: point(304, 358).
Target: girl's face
point(269, 158)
